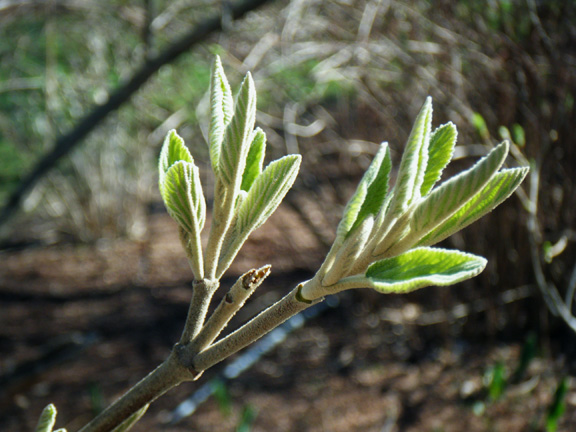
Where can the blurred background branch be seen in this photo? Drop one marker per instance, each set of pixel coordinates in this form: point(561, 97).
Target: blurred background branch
point(65, 143)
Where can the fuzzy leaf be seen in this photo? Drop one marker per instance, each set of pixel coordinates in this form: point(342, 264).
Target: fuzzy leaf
point(183, 197)
point(47, 419)
point(221, 111)
point(440, 153)
point(497, 190)
point(447, 199)
point(265, 195)
point(236, 143)
point(255, 159)
point(268, 191)
point(413, 163)
point(173, 150)
point(370, 193)
point(349, 252)
point(422, 267)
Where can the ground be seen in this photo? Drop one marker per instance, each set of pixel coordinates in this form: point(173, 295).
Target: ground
point(80, 324)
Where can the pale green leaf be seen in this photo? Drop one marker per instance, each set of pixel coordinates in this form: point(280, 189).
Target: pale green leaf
point(449, 197)
point(173, 150)
point(268, 191)
point(236, 142)
point(440, 153)
point(414, 161)
point(183, 196)
point(349, 252)
point(221, 111)
point(422, 267)
point(127, 424)
point(370, 193)
point(47, 419)
point(265, 195)
point(254, 159)
point(497, 190)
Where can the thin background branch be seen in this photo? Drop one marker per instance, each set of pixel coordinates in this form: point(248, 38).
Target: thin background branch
point(67, 142)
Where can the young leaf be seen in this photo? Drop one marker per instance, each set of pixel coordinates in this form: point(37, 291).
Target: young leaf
point(236, 142)
point(173, 150)
point(255, 159)
point(447, 199)
point(47, 419)
point(268, 191)
point(349, 252)
point(422, 267)
point(497, 190)
point(369, 195)
point(183, 197)
point(265, 195)
point(221, 111)
point(413, 163)
point(440, 153)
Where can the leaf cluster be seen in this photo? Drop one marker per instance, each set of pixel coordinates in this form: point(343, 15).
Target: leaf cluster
point(383, 240)
point(246, 194)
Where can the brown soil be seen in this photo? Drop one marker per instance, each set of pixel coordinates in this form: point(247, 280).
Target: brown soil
point(79, 325)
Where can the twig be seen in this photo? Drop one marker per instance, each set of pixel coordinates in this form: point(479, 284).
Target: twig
point(253, 330)
point(230, 304)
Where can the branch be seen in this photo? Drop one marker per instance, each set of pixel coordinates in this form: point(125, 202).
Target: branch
point(230, 304)
point(549, 291)
point(67, 142)
point(253, 330)
point(166, 376)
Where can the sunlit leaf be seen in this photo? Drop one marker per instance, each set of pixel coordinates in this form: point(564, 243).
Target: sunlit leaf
point(173, 150)
point(183, 197)
point(422, 267)
point(265, 195)
point(254, 159)
point(47, 419)
point(370, 193)
point(440, 153)
point(449, 197)
point(349, 251)
point(414, 161)
point(236, 142)
point(221, 111)
point(268, 191)
point(497, 190)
